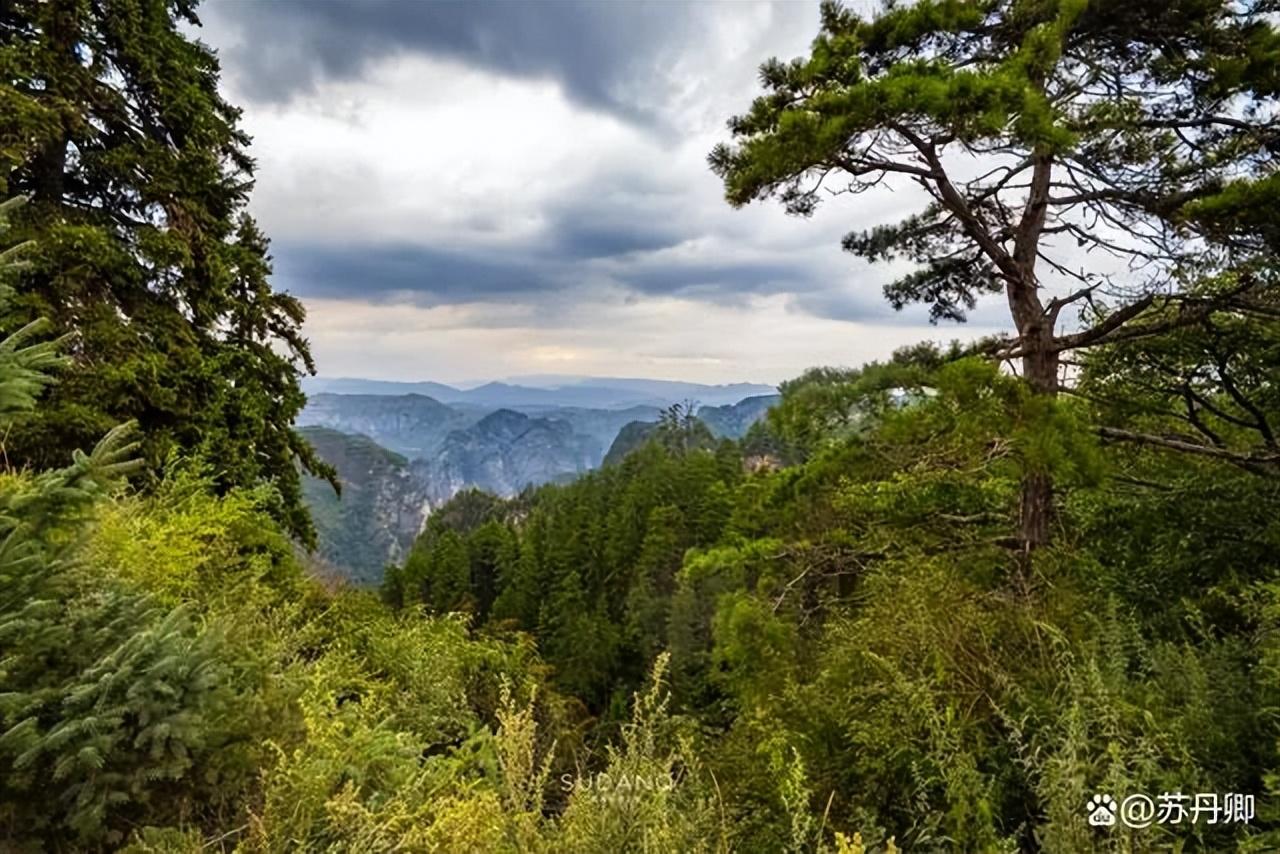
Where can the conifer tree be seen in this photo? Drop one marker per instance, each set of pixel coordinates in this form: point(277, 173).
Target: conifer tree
point(105, 699)
point(138, 176)
point(493, 552)
point(578, 639)
point(521, 587)
point(648, 602)
point(447, 582)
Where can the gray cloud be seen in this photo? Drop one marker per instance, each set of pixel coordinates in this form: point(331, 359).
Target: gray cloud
point(544, 227)
point(543, 282)
point(715, 281)
point(430, 276)
point(592, 241)
point(855, 299)
point(609, 56)
point(622, 221)
point(424, 275)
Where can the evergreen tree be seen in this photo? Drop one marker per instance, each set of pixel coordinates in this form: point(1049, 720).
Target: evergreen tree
point(579, 640)
point(1139, 130)
point(138, 175)
point(446, 577)
point(105, 699)
point(1206, 388)
point(649, 601)
point(493, 552)
point(522, 585)
point(25, 361)
point(680, 430)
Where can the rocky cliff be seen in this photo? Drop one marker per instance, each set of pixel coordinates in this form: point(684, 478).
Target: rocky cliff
point(382, 507)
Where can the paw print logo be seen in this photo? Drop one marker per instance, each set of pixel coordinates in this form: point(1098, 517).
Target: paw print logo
point(1101, 810)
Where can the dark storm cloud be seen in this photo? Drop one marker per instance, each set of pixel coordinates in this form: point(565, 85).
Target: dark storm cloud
point(430, 276)
point(423, 275)
point(626, 211)
point(427, 276)
point(587, 240)
point(595, 50)
point(717, 281)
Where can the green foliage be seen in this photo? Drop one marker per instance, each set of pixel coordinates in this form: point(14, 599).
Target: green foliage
point(1208, 384)
point(827, 637)
point(866, 649)
point(673, 653)
point(138, 178)
point(653, 794)
point(854, 652)
point(830, 406)
point(26, 362)
point(589, 566)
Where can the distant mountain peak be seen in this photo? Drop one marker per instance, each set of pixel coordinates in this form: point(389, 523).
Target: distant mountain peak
point(503, 421)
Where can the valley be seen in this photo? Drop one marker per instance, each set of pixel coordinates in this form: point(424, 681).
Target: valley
point(400, 450)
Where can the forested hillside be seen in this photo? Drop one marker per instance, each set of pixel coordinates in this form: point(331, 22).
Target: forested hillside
point(856, 632)
point(953, 600)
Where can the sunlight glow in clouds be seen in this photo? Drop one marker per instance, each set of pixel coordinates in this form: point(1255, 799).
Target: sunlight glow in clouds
point(668, 338)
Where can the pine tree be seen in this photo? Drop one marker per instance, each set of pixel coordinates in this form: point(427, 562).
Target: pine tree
point(1143, 131)
point(137, 171)
point(25, 361)
point(522, 583)
point(648, 603)
point(106, 699)
point(578, 639)
point(493, 551)
point(447, 583)
point(681, 431)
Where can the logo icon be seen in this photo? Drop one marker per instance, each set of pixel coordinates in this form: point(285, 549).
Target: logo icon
point(1102, 810)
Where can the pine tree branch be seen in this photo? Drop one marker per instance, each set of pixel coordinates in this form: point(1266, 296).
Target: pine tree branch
point(1253, 461)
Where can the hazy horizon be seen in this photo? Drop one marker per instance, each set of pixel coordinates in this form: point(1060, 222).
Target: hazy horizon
point(543, 381)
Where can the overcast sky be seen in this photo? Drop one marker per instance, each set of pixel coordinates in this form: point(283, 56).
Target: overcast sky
point(468, 190)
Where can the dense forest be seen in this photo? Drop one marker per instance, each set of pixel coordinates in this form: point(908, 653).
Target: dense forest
point(940, 602)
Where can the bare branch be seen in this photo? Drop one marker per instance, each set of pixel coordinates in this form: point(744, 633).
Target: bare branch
point(1253, 461)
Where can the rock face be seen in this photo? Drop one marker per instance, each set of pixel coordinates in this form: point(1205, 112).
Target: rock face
point(386, 498)
point(562, 391)
point(503, 453)
point(734, 420)
point(417, 426)
point(725, 422)
point(628, 439)
point(400, 455)
point(602, 425)
point(379, 514)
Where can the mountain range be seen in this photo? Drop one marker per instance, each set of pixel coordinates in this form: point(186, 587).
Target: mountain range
point(400, 455)
point(556, 391)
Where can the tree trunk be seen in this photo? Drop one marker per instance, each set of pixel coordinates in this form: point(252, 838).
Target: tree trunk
point(1036, 510)
point(1040, 369)
point(49, 165)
